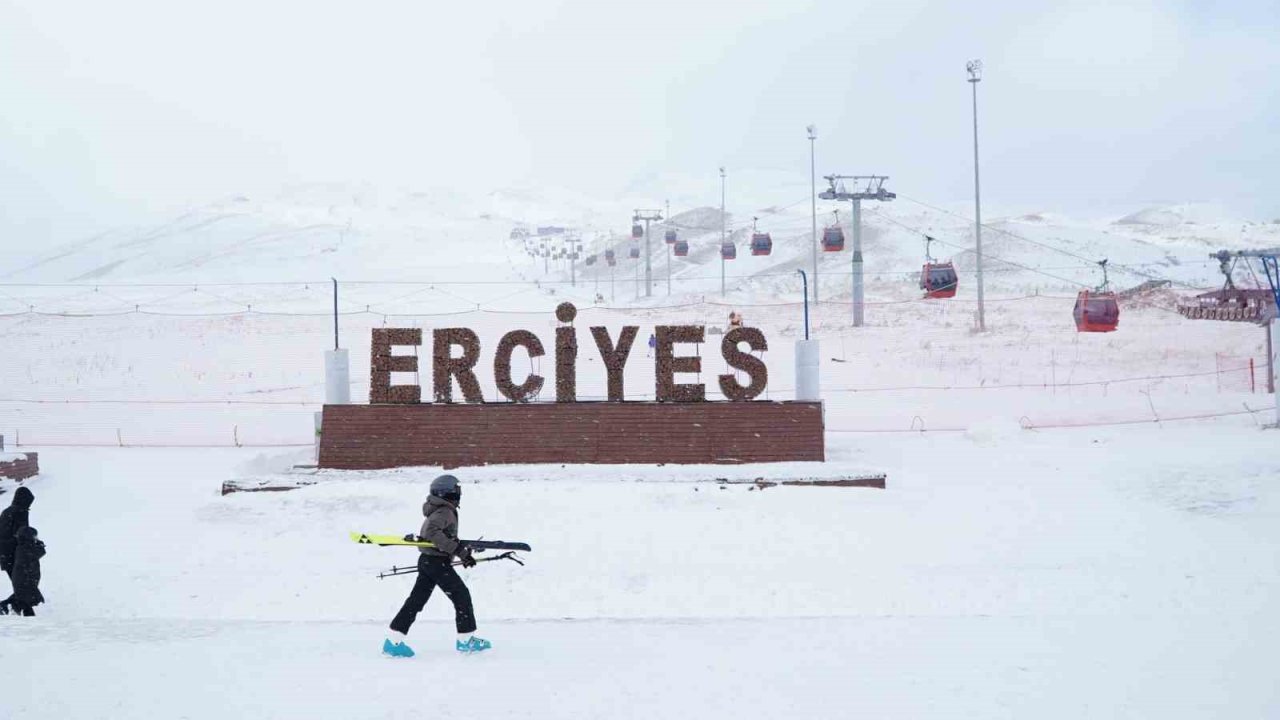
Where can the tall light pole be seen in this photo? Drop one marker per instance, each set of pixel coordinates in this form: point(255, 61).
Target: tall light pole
point(664, 242)
point(722, 226)
point(813, 188)
point(974, 67)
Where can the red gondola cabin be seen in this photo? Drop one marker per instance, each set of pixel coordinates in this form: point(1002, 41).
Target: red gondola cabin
point(1096, 311)
point(728, 251)
point(681, 248)
point(939, 280)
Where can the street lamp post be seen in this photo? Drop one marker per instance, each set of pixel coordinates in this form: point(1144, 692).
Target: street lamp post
point(669, 248)
point(722, 228)
point(974, 68)
point(813, 187)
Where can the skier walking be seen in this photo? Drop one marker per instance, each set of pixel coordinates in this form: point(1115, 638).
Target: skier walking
point(13, 519)
point(25, 574)
point(435, 568)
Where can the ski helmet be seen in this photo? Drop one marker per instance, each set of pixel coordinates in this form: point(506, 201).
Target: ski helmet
point(448, 488)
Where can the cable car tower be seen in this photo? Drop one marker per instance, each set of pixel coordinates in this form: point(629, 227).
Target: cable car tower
point(648, 216)
point(1270, 260)
point(865, 187)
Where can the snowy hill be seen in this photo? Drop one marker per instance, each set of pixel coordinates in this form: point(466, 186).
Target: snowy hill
point(358, 232)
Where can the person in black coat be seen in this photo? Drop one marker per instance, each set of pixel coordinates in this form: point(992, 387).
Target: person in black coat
point(26, 574)
point(14, 518)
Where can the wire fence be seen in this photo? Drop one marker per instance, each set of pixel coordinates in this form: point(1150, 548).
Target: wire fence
point(252, 378)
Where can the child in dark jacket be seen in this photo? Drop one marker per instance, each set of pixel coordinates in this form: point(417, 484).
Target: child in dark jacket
point(435, 569)
point(25, 574)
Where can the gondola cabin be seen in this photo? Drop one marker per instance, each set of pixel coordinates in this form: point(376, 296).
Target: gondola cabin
point(761, 243)
point(939, 280)
point(681, 248)
point(591, 259)
point(670, 237)
point(833, 239)
point(637, 231)
point(610, 257)
point(728, 250)
point(1096, 311)
point(634, 252)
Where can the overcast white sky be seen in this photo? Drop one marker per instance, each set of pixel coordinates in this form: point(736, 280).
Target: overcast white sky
point(117, 112)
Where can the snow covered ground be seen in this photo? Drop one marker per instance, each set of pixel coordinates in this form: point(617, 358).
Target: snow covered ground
point(1012, 568)
point(1082, 572)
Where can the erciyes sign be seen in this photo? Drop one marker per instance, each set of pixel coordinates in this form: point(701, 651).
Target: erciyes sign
point(446, 367)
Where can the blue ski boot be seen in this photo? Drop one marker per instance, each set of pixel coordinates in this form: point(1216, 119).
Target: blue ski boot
point(473, 644)
point(396, 649)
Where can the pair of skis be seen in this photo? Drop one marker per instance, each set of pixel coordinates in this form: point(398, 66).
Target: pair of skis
point(413, 541)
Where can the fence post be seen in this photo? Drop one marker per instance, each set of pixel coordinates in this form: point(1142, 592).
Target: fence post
point(1253, 385)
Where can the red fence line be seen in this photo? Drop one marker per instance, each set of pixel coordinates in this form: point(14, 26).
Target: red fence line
point(1028, 424)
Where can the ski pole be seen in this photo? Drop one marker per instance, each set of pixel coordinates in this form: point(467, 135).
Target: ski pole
point(394, 571)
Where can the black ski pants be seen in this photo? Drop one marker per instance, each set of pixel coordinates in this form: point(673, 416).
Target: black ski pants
point(433, 571)
point(12, 601)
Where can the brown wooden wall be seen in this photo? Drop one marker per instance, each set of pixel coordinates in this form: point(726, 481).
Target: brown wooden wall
point(457, 435)
point(21, 469)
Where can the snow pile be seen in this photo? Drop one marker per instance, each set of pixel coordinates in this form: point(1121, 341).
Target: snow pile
point(992, 431)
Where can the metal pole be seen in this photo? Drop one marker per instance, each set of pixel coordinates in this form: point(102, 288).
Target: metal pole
point(335, 316)
point(1271, 360)
point(813, 185)
point(1271, 370)
point(648, 257)
point(670, 249)
point(857, 263)
point(974, 78)
point(573, 263)
point(805, 284)
point(722, 232)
